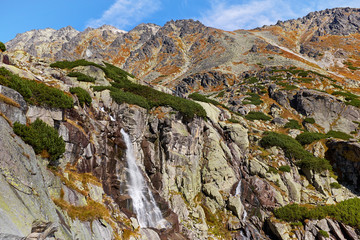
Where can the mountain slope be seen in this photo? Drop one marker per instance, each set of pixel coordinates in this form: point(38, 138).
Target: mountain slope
point(262, 144)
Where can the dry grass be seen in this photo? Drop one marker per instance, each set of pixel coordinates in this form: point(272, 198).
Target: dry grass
point(9, 101)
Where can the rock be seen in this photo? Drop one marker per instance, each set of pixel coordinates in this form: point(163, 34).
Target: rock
point(238, 134)
point(335, 229)
point(49, 116)
point(326, 110)
point(323, 225)
point(281, 231)
point(235, 205)
point(293, 187)
point(279, 121)
point(345, 155)
point(234, 224)
point(12, 105)
point(213, 192)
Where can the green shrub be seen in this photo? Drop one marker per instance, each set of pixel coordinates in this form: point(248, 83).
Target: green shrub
point(201, 98)
point(127, 97)
point(2, 47)
point(287, 86)
point(293, 149)
point(153, 97)
point(72, 64)
point(221, 94)
point(81, 77)
point(34, 92)
point(293, 124)
point(347, 212)
point(335, 185)
point(233, 120)
point(83, 96)
point(309, 120)
point(41, 137)
point(338, 134)
point(257, 116)
point(253, 99)
point(252, 80)
point(309, 137)
point(285, 168)
point(323, 233)
point(272, 170)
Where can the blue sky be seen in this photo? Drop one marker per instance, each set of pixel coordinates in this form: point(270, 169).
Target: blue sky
point(18, 16)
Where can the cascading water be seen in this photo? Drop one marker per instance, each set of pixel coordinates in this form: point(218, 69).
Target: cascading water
point(147, 212)
point(238, 193)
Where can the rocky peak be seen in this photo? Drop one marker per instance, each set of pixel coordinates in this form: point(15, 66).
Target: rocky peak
point(336, 21)
point(113, 29)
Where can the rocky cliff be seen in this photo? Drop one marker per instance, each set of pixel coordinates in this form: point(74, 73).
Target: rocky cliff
point(260, 126)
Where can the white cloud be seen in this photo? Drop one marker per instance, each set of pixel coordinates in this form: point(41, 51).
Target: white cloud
point(125, 13)
point(255, 13)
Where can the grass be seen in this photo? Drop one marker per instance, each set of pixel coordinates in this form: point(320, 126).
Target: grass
point(253, 99)
point(323, 233)
point(287, 86)
point(294, 150)
point(35, 93)
point(257, 116)
point(81, 77)
point(347, 212)
point(82, 95)
point(42, 138)
point(310, 137)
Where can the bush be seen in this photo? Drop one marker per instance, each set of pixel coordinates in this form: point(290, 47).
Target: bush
point(81, 77)
point(83, 96)
point(323, 233)
point(201, 98)
point(309, 120)
point(257, 116)
point(347, 212)
point(293, 149)
point(153, 97)
point(253, 99)
point(126, 97)
point(2, 47)
point(272, 170)
point(335, 185)
point(338, 134)
point(309, 137)
point(42, 138)
point(34, 92)
point(293, 124)
point(285, 168)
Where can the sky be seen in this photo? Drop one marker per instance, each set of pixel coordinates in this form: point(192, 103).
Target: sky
point(18, 16)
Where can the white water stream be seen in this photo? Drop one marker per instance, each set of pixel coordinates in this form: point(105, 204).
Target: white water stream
point(238, 193)
point(144, 205)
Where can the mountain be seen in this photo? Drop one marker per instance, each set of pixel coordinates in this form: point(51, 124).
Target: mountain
point(182, 131)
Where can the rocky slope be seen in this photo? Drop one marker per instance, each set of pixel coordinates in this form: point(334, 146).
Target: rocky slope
point(218, 177)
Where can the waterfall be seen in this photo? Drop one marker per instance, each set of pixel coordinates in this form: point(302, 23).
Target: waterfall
point(147, 212)
point(238, 193)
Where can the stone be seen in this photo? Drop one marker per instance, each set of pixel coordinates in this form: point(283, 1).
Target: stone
point(236, 206)
point(335, 229)
point(213, 192)
point(13, 106)
point(49, 116)
point(234, 224)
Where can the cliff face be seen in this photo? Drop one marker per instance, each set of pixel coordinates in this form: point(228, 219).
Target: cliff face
point(218, 177)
